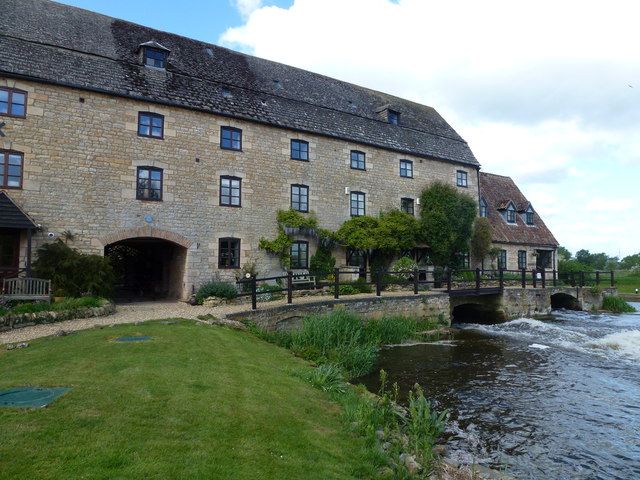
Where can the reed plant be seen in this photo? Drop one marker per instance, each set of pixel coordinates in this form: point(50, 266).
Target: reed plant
point(616, 304)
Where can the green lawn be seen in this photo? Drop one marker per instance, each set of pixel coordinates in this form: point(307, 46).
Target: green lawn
point(626, 283)
point(196, 402)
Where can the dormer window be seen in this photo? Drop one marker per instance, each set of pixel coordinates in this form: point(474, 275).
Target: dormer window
point(393, 117)
point(528, 216)
point(511, 213)
point(155, 58)
point(154, 55)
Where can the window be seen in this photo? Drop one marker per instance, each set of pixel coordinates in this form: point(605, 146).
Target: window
point(155, 58)
point(502, 259)
point(511, 214)
point(10, 169)
point(300, 198)
point(483, 207)
point(358, 161)
point(406, 205)
point(149, 183)
point(150, 125)
point(300, 255)
point(461, 178)
point(406, 168)
point(229, 253)
point(522, 259)
point(528, 214)
point(464, 260)
point(13, 103)
point(357, 204)
point(300, 150)
point(231, 138)
point(230, 189)
point(393, 117)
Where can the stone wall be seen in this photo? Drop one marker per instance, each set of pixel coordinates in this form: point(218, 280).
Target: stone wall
point(432, 307)
point(81, 153)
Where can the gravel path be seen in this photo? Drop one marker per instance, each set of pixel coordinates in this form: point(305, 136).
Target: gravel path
point(140, 312)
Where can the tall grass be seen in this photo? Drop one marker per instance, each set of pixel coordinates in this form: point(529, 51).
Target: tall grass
point(616, 304)
point(343, 339)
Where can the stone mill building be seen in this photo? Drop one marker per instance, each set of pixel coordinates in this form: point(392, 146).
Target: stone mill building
point(116, 135)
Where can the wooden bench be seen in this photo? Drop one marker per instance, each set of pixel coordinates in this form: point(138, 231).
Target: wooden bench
point(26, 288)
point(303, 278)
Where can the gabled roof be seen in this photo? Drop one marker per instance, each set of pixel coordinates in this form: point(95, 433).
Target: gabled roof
point(50, 42)
point(11, 216)
point(498, 191)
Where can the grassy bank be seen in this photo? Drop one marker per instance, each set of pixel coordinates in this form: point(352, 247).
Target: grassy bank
point(195, 402)
point(626, 281)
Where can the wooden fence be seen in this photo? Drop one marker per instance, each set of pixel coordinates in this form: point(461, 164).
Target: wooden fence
point(454, 282)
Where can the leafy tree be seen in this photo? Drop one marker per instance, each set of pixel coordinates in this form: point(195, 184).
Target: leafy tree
point(359, 233)
point(74, 272)
point(564, 254)
point(397, 231)
point(481, 239)
point(573, 266)
point(447, 221)
point(630, 261)
point(597, 261)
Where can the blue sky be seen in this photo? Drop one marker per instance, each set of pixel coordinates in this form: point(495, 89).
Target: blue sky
point(545, 92)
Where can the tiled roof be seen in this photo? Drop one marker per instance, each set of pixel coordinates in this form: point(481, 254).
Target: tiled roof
point(47, 41)
point(498, 191)
point(11, 216)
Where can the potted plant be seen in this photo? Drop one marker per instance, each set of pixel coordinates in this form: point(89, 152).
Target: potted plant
point(59, 294)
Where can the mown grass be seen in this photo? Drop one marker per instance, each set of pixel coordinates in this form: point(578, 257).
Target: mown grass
point(195, 402)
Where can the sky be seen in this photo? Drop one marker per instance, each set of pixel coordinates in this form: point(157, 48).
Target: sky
point(546, 92)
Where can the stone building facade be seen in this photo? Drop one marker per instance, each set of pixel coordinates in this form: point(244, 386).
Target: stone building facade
point(519, 235)
point(120, 135)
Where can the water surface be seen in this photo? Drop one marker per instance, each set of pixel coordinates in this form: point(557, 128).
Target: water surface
point(557, 398)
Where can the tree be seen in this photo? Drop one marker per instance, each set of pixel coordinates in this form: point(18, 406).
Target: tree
point(447, 221)
point(563, 254)
point(630, 261)
point(397, 232)
point(481, 239)
point(359, 233)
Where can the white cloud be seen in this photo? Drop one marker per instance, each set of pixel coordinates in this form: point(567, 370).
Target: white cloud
point(539, 90)
point(246, 7)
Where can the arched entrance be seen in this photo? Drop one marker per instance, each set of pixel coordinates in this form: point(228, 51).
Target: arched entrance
point(149, 264)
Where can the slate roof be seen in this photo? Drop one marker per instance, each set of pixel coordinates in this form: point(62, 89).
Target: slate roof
point(11, 216)
point(498, 191)
point(47, 41)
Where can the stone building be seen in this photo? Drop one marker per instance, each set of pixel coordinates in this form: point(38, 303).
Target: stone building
point(518, 233)
point(176, 154)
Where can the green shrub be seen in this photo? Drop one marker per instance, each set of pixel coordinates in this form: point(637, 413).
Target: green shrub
point(362, 287)
point(616, 304)
point(73, 271)
point(322, 261)
point(216, 289)
point(347, 290)
point(66, 304)
point(405, 265)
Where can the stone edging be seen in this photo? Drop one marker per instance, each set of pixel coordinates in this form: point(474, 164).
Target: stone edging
point(10, 322)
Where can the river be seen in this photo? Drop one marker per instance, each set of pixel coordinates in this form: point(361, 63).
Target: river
point(552, 398)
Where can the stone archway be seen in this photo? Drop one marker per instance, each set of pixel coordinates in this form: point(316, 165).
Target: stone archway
point(150, 263)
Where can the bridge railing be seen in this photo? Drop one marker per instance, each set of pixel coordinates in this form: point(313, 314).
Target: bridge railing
point(346, 282)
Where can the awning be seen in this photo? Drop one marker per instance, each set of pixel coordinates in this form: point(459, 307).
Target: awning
point(12, 216)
